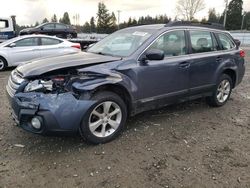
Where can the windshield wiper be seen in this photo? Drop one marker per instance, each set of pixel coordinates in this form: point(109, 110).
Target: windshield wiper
point(106, 54)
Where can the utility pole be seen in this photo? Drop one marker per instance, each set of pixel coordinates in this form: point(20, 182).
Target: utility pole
point(118, 19)
point(225, 14)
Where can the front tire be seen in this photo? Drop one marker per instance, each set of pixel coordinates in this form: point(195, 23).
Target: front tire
point(3, 64)
point(222, 91)
point(105, 120)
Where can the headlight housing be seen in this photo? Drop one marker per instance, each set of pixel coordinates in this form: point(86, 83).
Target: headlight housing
point(38, 85)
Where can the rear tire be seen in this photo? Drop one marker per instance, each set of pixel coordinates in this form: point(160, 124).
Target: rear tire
point(3, 64)
point(221, 92)
point(105, 120)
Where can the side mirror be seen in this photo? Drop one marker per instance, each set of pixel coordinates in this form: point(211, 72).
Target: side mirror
point(12, 45)
point(41, 28)
point(237, 42)
point(155, 54)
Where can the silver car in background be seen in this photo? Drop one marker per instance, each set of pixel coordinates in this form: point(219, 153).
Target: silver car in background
point(25, 48)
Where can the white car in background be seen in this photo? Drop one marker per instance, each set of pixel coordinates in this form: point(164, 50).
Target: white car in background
point(25, 48)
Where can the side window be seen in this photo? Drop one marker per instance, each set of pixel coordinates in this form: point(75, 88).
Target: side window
point(60, 26)
point(49, 41)
point(49, 26)
point(27, 42)
point(202, 41)
point(172, 43)
point(226, 42)
point(4, 24)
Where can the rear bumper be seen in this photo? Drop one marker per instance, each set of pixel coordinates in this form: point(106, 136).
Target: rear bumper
point(60, 113)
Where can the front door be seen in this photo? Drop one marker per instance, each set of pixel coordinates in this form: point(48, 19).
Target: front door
point(25, 50)
point(165, 80)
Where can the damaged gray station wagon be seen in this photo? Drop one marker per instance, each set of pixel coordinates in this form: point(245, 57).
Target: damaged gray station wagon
point(130, 71)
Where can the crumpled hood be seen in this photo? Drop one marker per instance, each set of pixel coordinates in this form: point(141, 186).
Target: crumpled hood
point(41, 66)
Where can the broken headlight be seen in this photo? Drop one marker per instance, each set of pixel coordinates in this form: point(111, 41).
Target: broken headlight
point(39, 85)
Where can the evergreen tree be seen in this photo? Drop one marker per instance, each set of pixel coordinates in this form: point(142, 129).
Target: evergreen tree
point(105, 21)
point(37, 23)
point(54, 18)
point(234, 15)
point(92, 25)
point(87, 28)
point(65, 19)
point(45, 20)
point(212, 16)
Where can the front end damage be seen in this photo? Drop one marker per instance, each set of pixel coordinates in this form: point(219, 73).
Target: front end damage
point(56, 102)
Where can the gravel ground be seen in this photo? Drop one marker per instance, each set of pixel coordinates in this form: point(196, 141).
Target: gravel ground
point(185, 145)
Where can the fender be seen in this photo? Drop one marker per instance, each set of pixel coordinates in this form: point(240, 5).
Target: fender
point(224, 66)
point(92, 80)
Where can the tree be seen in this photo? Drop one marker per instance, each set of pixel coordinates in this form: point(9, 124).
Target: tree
point(105, 21)
point(37, 23)
point(212, 16)
point(54, 18)
point(188, 8)
point(45, 20)
point(92, 25)
point(86, 28)
point(234, 15)
point(65, 19)
point(246, 24)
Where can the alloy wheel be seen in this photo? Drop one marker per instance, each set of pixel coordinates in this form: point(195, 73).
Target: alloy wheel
point(1, 64)
point(223, 91)
point(105, 119)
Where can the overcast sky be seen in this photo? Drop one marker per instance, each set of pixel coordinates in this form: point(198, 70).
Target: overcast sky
point(30, 11)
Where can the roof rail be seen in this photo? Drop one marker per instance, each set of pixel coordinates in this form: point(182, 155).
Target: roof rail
point(196, 24)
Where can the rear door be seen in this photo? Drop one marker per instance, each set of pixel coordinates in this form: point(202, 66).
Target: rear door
point(61, 30)
point(51, 47)
point(25, 50)
point(204, 60)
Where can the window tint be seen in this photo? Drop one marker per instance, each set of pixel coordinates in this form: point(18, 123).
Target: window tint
point(226, 42)
point(202, 41)
point(3, 24)
point(61, 26)
point(49, 26)
point(27, 42)
point(49, 41)
point(172, 43)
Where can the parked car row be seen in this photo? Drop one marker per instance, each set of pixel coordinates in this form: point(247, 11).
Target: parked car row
point(26, 48)
point(129, 71)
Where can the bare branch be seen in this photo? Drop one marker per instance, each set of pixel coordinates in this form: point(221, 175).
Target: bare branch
point(188, 8)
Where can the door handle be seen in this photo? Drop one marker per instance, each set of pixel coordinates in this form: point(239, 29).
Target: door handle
point(184, 64)
point(218, 59)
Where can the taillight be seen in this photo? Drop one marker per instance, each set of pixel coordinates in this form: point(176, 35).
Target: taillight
point(76, 46)
point(242, 53)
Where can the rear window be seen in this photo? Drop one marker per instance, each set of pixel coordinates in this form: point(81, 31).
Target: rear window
point(61, 26)
point(202, 41)
point(49, 41)
point(226, 42)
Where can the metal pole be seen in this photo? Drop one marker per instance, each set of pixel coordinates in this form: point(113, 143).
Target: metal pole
point(118, 19)
point(225, 14)
point(242, 23)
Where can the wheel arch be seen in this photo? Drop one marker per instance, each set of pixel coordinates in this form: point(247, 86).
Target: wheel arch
point(5, 60)
point(120, 91)
point(232, 74)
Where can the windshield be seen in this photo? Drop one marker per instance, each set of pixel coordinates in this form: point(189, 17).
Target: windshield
point(122, 43)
